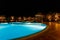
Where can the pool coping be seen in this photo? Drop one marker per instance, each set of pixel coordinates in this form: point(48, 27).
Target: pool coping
point(32, 35)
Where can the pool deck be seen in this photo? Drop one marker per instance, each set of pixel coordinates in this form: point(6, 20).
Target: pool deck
point(52, 32)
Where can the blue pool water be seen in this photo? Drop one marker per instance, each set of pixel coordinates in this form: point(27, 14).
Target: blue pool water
point(18, 29)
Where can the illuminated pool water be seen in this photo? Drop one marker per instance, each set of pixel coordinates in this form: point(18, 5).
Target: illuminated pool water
point(18, 29)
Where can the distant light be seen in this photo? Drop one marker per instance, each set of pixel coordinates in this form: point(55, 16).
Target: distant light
point(3, 23)
point(36, 27)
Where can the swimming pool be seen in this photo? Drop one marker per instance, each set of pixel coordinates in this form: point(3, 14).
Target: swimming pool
point(14, 30)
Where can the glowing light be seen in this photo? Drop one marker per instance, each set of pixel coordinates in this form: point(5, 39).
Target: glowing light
point(56, 17)
point(35, 27)
point(3, 23)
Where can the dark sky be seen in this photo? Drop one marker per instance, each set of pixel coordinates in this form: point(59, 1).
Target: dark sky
point(30, 7)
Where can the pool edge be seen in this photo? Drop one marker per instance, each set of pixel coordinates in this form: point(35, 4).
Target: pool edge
point(32, 35)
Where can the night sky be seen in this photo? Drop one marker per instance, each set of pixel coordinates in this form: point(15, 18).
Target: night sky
point(27, 8)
